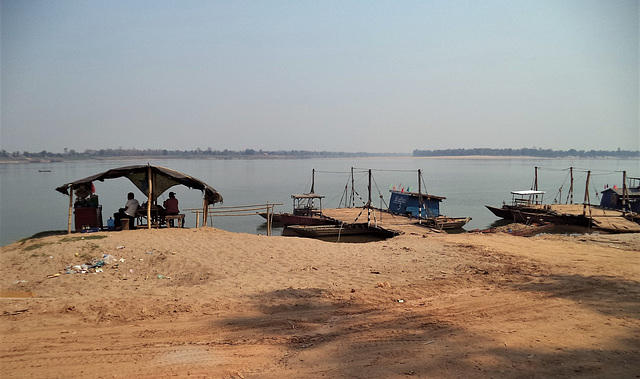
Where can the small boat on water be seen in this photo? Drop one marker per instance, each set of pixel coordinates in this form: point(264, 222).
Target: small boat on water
point(307, 209)
point(525, 205)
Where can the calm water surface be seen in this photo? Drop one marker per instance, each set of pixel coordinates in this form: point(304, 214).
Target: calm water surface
point(29, 203)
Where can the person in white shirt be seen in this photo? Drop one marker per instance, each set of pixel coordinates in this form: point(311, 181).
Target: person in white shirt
point(129, 211)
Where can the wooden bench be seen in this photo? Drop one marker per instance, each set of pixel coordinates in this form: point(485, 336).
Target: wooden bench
point(179, 217)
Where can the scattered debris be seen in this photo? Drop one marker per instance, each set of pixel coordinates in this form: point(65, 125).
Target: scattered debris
point(14, 313)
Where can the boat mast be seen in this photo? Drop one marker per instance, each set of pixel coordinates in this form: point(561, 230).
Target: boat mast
point(369, 202)
point(419, 196)
point(625, 193)
point(313, 180)
point(535, 184)
point(353, 190)
point(571, 188)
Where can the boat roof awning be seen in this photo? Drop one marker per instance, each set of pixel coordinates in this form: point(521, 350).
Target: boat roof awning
point(416, 194)
point(307, 196)
point(527, 193)
point(162, 179)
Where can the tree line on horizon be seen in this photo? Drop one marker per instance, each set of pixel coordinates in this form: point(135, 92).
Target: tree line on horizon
point(226, 153)
point(528, 152)
point(209, 152)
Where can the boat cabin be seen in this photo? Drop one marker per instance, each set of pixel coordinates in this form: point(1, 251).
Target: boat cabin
point(305, 204)
point(528, 197)
point(612, 197)
point(407, 203)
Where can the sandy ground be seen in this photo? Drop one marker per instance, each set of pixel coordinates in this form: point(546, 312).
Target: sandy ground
point(210, 303)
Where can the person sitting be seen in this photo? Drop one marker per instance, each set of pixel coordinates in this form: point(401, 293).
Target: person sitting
point(129, 212)
point(171, 206)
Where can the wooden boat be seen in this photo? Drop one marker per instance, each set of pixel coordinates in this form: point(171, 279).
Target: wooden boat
point(444, 223)
point(526, 207)
point(305, 211)
point(317, 231)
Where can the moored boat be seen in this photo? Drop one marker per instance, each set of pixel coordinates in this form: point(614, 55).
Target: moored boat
point(424, 207)
point(317, 231)
point(445, 223)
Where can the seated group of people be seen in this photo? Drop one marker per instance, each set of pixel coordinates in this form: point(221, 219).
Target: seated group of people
point(130, 210)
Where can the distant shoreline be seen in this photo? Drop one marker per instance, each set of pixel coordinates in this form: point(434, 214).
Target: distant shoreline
point(280, 157)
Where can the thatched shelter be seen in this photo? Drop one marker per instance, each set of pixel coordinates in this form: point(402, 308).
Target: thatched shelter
point(151, 180)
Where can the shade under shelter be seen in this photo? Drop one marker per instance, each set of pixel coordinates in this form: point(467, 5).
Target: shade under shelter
point(151, 180)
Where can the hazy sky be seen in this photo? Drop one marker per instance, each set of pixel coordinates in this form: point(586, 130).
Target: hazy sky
point(378, 76)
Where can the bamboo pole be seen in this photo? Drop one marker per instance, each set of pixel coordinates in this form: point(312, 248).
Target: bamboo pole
point(150, 196)
point(268, 220)
point(586, 196)
point(205, 208)
point(70, 208)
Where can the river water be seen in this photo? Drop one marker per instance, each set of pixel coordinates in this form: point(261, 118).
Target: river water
point(29, 203)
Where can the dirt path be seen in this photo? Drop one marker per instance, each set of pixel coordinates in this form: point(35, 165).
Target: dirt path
point(207, 303)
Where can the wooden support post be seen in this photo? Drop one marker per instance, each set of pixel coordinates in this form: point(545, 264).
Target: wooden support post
point(70, 207)
point(197, 219)
point(586, 196)
point(268, 220)
point(150, 193)
point(205, 210)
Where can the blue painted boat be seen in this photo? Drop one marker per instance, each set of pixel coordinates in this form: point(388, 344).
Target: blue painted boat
point(407, 204)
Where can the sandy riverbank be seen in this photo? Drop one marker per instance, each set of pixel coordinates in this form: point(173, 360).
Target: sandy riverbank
point(210, 303)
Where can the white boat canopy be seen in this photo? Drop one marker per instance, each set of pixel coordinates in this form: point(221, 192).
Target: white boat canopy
point(527, 193)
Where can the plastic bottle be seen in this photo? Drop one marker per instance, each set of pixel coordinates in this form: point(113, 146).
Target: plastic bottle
point(111, 224)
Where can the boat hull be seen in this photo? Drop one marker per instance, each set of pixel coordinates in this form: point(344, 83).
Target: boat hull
point(446, 222)
point(318, 231)
point(290, 219)
point(275, 217)
point(517, 215)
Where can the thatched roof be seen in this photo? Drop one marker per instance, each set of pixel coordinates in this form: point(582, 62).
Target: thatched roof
point(162, 179)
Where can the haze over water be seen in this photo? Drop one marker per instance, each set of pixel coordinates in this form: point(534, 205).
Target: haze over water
point(29, 203)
